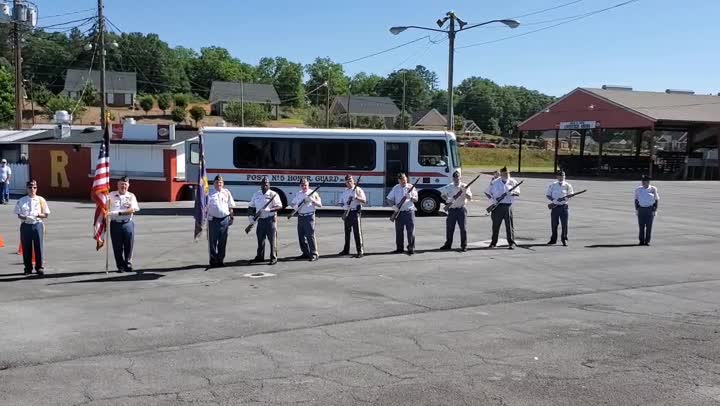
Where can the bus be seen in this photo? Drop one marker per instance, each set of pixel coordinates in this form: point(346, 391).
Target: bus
point(285, 155)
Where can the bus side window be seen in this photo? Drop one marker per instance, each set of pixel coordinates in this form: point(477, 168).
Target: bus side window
point(195, 153)
point(432, 153)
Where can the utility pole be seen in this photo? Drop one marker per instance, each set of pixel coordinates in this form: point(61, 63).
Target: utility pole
point(349, 117)
point(327, 103)
point(242, 103)
point(101, 46)
point(19, 102)
point(403, 103)
point(451, 63)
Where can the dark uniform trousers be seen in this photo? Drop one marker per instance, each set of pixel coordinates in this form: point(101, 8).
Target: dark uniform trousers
point(456, 215)
point(559, 214)
point(503, 212)
point(267, 229)
point(123, 236)
point(646, 216)
point(406, 220)
point(352, 222)
point(306, 234)
point(217, 238)
point(31, 238)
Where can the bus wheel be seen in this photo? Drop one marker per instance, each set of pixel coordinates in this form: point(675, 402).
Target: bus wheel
point(428, 203)
point(283, 199)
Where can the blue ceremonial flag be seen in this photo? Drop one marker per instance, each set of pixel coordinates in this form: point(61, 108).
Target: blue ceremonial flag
point(201, 197)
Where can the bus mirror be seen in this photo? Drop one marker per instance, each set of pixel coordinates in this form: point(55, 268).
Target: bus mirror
point(447, 168)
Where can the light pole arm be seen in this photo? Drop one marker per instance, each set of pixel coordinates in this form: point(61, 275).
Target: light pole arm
point(398, 30)
point(509, 23)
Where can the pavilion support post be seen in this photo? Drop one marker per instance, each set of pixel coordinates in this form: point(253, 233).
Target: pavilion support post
point(520, 139)
point(557, 148)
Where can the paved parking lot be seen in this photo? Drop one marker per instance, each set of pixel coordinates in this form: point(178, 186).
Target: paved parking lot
point(599, 322)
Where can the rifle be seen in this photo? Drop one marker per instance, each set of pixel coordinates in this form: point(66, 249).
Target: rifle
point(257, 214)
point(399, 205)
point(458, 194)
point(352, 197)
point(295, 210)
point(493, 206)
point(562, 199)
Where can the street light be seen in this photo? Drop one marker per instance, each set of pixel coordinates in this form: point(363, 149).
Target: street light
point(451, 31)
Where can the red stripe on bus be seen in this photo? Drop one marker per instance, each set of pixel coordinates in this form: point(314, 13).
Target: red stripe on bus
point(427, 175)
point(290, 171)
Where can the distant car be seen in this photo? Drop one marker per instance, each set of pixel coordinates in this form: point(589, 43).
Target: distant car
point(478, 144)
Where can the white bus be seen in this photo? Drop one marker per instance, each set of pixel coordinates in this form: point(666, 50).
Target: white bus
point(244, 155)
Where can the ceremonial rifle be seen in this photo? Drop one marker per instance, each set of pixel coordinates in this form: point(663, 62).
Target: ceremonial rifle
point(295, 210)
point(351, 198)
point(399, 205)
point(458, 194)
point(493, 206)
point(562, 199)
point(257, 214)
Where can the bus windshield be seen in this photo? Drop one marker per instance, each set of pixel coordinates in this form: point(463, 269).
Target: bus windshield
point(455, 155)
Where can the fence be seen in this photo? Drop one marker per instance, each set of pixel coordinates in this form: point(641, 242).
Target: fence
point(20, 176)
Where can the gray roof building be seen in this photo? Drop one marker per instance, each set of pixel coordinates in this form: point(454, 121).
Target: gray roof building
point(247, 92)
point(115, 82)
point(365, 106)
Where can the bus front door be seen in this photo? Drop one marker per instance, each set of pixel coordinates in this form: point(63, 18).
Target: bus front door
point(396, 160)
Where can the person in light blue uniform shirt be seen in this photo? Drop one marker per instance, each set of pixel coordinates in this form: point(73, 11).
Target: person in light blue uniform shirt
point(457, 211)
point(406, 216)
point(123, 205)
point(559, 213)
point(306, 203)
point(646, 205)
point(503, 212)
point(5, 177)
point(266, 228)
point(31, 210)
point(220, 218)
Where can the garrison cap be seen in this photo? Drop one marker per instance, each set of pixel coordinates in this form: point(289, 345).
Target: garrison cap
point(400, 174)
point(264, 180)
point(456, 174)
point(217, 178)
point(124, 179)
point(645, 178)
point(560, 173)
point(503, 169)
point(348, 177)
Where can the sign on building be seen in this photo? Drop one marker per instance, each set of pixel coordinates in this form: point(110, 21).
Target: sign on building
point(578, 125)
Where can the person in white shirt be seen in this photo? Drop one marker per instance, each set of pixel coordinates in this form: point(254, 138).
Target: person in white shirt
point(306, 203)
point(353, 198)
point(457, 212)
point(5, 176)
point(560, 213)
point(31, 210)
point(496, 175)
point(267, 221)
point(503, 211)
point(123, 204)
point(646, 204)
point(220, 218)
point(406, 215)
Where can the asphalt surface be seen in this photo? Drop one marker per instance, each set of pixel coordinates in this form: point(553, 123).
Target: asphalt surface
point(602, 321)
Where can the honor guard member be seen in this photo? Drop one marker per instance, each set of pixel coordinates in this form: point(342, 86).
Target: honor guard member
point(220, 218)
point(406, 215)
point(457, 212)
point(5, 177)
point(122, 227)
point(503, 212)
point(559, 213)
point(31, 210)
point(305, 203)
point(353, 198)
point(495, 176)
point(266, 227)
point(646, 204)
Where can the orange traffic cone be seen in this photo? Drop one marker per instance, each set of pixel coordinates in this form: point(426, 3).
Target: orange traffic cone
point(2, 243)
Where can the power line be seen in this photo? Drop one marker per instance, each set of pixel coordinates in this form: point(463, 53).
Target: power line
point(67, 14)
point(386, 50)
point(137, 66)
point(547, 9)
point(83, 20)
point(582, 16)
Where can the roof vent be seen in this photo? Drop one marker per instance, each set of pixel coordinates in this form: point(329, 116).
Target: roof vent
point(610, 87)
point(676, 91)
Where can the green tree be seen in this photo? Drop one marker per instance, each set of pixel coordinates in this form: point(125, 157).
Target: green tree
point(439, 101)
point(40, 94)
point(255, 114)
point(324, 70)
point(89, 94)
point(315, 117)
point(363, 84)
point(403, 122)
point(159, 68)
point(216, 64)
point(197, 113)
point(164, 100)
point(417, 92)
point(178, 114)
point(7, 96)
point(58, 103)
point(146, 103)
point(285, 76)
point(181, 100)
point(429, 77)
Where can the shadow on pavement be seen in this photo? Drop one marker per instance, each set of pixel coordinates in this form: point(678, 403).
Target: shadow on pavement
point(131, 277)
point(611, 245)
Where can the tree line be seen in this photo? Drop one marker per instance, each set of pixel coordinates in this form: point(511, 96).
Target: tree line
point(164, 71)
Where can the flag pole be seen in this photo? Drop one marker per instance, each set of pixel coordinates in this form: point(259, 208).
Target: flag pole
point(107, 225)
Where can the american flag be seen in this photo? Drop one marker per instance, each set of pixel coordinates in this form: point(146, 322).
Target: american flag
point(101, 188)
point(201, 197)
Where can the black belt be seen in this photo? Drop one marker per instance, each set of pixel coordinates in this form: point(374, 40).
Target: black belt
point(219, 218)
point(306, 214)
point(121, 221)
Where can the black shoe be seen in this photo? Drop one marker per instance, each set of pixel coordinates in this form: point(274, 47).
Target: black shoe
point(129, 269)
point(511, 246)
point(463, 249)
point(647, 244)
point(313, 259)
point(492, 245)
point(139, 272)
point(551, 242)
point(120, 270)
point(27, 271)
point(343, 252)
point(446, 247)
point(398, 252)
point(641, 243)
point(40, 271)
point(273, 261)
point(411, 252)
point(301, 257)
point(359, 255)
point(564, 243)
point(257, 259)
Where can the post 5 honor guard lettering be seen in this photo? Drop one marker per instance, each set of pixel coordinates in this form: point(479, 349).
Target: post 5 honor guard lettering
point(220, 218)
point(31, 210)
point(122, 205)
point(457, 212)
point(557, 193)
point(646, 204)
point(351, 201)
point(266, 228)
point(305, 202)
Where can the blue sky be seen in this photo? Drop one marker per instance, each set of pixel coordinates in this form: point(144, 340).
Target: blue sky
point(649, 44)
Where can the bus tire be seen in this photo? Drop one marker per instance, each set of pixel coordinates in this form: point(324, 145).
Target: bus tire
point(428, 203)
point(283, 199)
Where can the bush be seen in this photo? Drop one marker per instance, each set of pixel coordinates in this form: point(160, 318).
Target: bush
point(89, 94)
point(146, 103)
point(163, 102)
point(181, 100)
point(315, 117)
point(255, 114)
point(57, 103)
point(178, 114)
point(197, 113)
point(40, 94)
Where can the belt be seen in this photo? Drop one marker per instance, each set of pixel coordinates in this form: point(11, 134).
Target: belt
point(306, 214)
point(121, 221)
point(218, 218)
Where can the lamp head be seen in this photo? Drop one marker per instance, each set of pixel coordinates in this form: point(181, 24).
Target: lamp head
point(511, 23)
point(397, 30)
